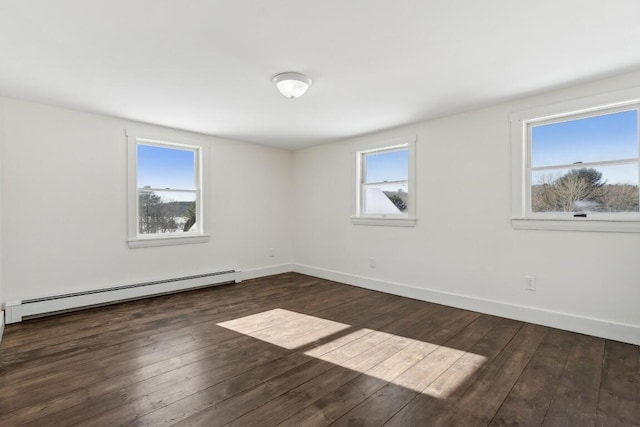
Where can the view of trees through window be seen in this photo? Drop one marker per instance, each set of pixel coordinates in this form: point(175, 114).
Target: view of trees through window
point(164, 216)
point(582, 190)
point(586, 164)
point(166, 189)
point(398, 198)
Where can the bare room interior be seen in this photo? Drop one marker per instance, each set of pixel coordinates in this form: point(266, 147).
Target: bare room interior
point(348, 213)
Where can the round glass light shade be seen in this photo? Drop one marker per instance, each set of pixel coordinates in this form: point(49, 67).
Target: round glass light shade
point(292, 85)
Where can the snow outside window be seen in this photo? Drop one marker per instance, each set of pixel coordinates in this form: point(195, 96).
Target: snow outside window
point(385, 194)
point(165, 193)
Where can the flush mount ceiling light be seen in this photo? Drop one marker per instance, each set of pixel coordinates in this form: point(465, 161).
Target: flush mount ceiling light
point(292, 85)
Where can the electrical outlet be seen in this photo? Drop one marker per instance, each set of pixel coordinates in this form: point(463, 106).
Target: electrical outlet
point(372, 262)
point(530, 283)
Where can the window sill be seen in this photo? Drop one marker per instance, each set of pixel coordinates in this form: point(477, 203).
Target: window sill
point(391, 222)
point(577, 224)
point(167, 241)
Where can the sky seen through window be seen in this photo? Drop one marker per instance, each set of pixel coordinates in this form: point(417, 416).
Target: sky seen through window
point(162, 167)
point(592, 139)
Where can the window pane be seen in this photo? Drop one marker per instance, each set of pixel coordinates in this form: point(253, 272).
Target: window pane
point(163, 167)
point(599, 189)
point(387, 166)
point(166, 212)
point(593, 139)
point(385, 199)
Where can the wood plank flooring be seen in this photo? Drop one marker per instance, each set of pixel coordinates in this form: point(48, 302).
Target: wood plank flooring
point(293, 350)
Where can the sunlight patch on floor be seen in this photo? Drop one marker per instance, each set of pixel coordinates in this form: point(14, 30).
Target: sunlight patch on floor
point(284, 328)
point(423, 367)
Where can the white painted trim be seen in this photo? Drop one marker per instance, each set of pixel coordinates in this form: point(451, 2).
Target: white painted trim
point(1, 325)
point(147, 242)
point(254, 273)
point(620, 98)
point(133, 137)
point(393, 222)
point(357, 218)
point(584, 325)
point(522, 217)
point(612, 226)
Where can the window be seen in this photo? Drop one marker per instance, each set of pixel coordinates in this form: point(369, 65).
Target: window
point(385, 189)
point(165, 193)
point(577, 166)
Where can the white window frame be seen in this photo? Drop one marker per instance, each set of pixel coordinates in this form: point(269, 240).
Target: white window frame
point(137, 240)
point(358, 217)
point(522, 216)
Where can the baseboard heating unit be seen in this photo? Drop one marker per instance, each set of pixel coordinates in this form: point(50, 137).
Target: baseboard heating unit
point(16, 311)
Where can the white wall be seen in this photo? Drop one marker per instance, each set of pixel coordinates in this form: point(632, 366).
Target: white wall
point(463, 243)
point(1, 239)
point(64, 225)
point(64, 195)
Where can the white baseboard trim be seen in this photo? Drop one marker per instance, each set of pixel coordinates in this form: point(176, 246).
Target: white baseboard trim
point(1, 325)
point(254, 273)
point(584, 325)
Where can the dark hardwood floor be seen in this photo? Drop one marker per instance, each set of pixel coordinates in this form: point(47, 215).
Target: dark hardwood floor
point(299, 351)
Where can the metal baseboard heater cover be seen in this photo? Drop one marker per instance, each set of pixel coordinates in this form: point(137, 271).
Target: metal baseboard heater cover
point(17, 310)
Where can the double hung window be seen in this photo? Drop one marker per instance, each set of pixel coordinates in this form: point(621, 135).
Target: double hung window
point(385, 190)
point(578, 169)
point(165, 201)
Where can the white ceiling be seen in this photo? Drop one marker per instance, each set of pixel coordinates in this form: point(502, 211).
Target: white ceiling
point(206, 65)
